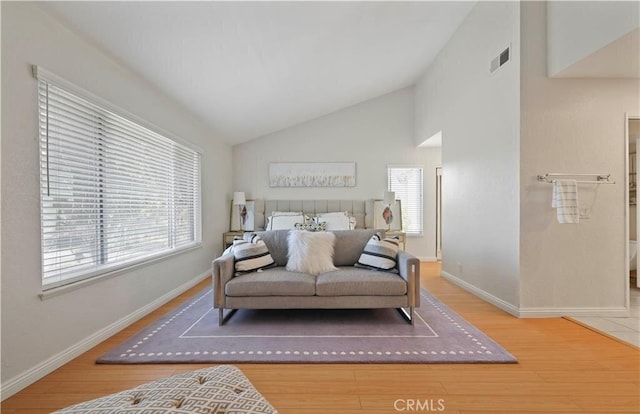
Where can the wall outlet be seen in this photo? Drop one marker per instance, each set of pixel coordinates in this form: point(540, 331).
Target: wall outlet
point(460, 268)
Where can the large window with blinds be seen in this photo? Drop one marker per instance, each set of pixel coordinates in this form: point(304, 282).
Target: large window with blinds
point(406, 182)
point(113, 193)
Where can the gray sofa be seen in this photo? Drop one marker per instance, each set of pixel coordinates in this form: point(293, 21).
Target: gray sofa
point(348, 287)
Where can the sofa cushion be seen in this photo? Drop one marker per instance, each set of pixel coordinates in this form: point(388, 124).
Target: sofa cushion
point(310, 252)
point(276, 241)
point(276, 281)
point(349, 245)
point(353, 281)
point(347, 248)
point(250, 254)
point(380, 253)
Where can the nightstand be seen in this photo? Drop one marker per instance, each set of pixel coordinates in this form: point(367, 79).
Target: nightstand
point(228, 236)
point(401, 235)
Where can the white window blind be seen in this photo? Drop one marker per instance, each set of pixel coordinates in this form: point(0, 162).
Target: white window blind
point(113, 193)
point(406, 182)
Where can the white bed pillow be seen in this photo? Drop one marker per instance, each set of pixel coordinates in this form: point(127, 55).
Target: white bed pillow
point(312, 226)
point(283, 222)
point(335, 221)
point(286, 213)
point(310, 252)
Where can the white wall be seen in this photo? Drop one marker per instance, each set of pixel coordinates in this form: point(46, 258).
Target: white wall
point(577, 29)
point(38, 334)
point(478, 114)
point(570, 125)
point(373, 134)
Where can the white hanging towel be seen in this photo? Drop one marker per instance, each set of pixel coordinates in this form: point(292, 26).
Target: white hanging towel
point(565, 201)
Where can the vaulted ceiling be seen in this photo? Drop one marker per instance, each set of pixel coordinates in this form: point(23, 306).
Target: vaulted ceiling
point(251, 68)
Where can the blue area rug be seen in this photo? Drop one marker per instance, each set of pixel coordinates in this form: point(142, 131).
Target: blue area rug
point(191, 335)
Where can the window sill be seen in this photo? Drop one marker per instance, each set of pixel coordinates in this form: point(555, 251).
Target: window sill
point(70, 287)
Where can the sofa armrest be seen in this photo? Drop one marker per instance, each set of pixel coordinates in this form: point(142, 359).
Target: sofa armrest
point(409, 269)
point(222, 270)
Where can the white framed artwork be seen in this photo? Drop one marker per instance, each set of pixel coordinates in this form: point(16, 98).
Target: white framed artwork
point(312, 174)
point(249, 223)
point(378, 217)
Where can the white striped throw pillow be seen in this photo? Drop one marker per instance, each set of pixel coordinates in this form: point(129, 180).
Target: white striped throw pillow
point(251, 254)
point(379, 253)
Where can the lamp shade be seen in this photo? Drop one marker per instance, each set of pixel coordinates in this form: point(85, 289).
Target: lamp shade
point(239, 198)
point(389, 197)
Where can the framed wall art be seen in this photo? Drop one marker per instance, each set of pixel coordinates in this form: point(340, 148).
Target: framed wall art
point(378, 218)
point(248, 224)
point(312, 174)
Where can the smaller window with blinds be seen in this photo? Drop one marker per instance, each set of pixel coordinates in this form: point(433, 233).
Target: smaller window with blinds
point(406, 182)
point(113, 192)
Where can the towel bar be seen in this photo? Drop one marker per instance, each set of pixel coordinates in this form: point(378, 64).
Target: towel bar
point(599, 178)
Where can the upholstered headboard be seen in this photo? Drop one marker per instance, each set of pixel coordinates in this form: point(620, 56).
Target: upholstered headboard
point(362, 210)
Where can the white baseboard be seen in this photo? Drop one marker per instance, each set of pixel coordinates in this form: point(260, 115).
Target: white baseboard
point(19, 382)
point(573, 312)
point(549, 312)
point(488, 297)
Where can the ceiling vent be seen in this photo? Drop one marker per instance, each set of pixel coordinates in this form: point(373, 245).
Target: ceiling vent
point(501, 59)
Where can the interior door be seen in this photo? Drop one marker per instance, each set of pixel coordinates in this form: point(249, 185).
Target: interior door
point(635, 122)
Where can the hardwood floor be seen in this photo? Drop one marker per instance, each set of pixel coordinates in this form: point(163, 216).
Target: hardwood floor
point(563, 368)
